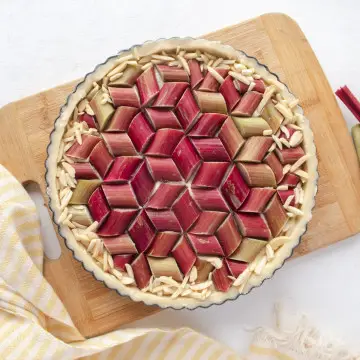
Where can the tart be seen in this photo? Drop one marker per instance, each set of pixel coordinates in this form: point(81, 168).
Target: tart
point(181, 173)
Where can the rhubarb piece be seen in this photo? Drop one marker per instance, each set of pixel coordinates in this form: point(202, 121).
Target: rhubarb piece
point(162, 118)
point(186, 210)
point(165, 267)
point(208, 223)
point(229, 92)
point(128, 78)
point(123, 168)
point(148, 86)
point(165, 195)
point(120, 196)
point(121, 118)
point(142, 184)
point(289, 130)
point(235, 190)
point(209, 199)
point(349, 100)
point(253, 225)
point(207, 125)
point(121, 260)
point(164, 220)
point(196, 75)
point(84, 171)
point(171, 73)
point(163, 243)
point(119, 245)
point(119, 144)
point(231, 137)
point(117, 222)
point(210, 102)
point(290, 155)
point(241, 86)
point(211, 149)
point(142, 272)
point(272, 160)
point(204, 268)
point(228, 235)
point(83, 151)
point(163, 169)
point(221, 280)
point(253, 126)
point(291, 180)
point(259, 86)
point(164, 142)
point(210, 83)
point(257, 200)
point(140, 132)
point(187, 110)
point(103, 112)
point(248, 104)
point(124, 96)
point(257, 175)
point(284, 194)
point(142, 231)
point(186, 158)
point(205, 245)
point(80, 215)
point(248, 250)
point(83, 191)
point(170, 94)
point(101, 159)
point(255, 149)
point(184, 255)
point(236, 268)
point(90, 121)
point(272, 116)
point(98, 207)
point(275, 215)
point(210, 174)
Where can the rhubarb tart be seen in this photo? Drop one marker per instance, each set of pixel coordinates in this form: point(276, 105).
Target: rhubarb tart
point(181, 173)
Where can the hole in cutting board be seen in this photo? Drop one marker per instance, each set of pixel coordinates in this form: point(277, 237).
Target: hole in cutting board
point(48, 235)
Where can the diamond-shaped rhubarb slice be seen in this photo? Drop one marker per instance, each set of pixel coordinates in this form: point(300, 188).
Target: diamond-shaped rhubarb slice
point(228, 235)
point(254, 149)
point(128, 78)
point(165, 195)
point(84, 171)
point(210, 83)
point(186, 158)
point(170, 94)
point(123, 168)
point(117, 222)
point(122, 118)
point(207, 125)
point(165, 267)
point(82, 192)
point(101, 159)
point(142, 272)
point(208, 223)
point(124, 96)
point(272, 160)
point(259, 86)
point(184, 255)
point(259, 175)
point(205, 245)
point(163, 169)
point(209, 199)
point(164, 220)
point(142, 231)
point(210, 102)
point(121, 260)
point(83, 151)
point(210, 174)
point(196, 75)
point(142, 184)
point(164, 142)
point(236, 268)
point(229, 92)
point(235, 190)
point(140, 132)
point(275, 215)
point(119, 245)
point(221, 279)
point(187, 110)
point(231, 137)
point(186, 210)
point(290, 155)
point(120, 196)
point(291, 180)
point(161, 118)
point(248, 250)
point(119, 144)
point(98, 207)
point(148, 86)
point(272, 116)
point(102, 111)
point(251, 126)
point(90, 121)
point(211, 149)
point(253, 225)
point(257, 200)
point(171, 73)
point(284, 194)
point(163, 243)
point(248, 104)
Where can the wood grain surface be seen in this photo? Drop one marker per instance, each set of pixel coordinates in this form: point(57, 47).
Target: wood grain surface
point(275, 40)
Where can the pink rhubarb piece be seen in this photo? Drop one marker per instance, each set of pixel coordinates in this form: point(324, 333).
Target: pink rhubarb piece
point(210, 174)
point(121, 260)
point(257, 200)
point(119, 144)
point(170, 94)
point(207, 125)
point(211, 149)
point(84, 171)
point(161, 118)
point(165, 195)
point(120, 195)
point(124, 96)
point(184, 255)
point(205, 245)
point(101, 159)
point(187, 110)
point(228, 235)
point(172, 73)
point(142, 231)
point(148, 86)
point(236, 268)
point(117, 222)
point(121, 119)
point(284, 194)
point(164, 220)
point(140, 132)
point(83, 151)
point(121, 244)
point(164, 142)
point(229, 92)
point(210, 83)
point(163, 169)
point(123, 168)
point(196, 75)
point(98, 207)
point(209, 199)
point(208, 223)
point(248, 104)
point(142, 272)
point(163, 243)
point(231, 137)
point(221, 280)
point(253, 225)
point(142, 184)
point(90, 120)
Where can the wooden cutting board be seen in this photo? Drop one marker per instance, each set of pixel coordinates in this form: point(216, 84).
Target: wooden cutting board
point(275, 40)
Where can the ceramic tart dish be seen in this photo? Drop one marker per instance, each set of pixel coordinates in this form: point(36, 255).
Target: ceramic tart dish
point(181, 173)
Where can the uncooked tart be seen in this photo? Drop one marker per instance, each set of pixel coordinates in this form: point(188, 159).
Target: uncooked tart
point(181, 173)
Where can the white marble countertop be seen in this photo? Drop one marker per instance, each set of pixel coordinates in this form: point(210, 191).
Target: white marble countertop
point(46, 43)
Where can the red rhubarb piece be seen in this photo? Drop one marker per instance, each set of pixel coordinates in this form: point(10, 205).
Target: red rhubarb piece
point(273, 161)
point(142, 272)
point(209, 199)
point(171, 73)
point(196, 75)
point(163, 169)
point(164, 220)
point(142, 184)
point(165, 195)
point(123, 168)
point(210, 174)
point(211, 149)
point(90, 121)
point(290, 155)
point(255, 149)
point(259, 86)
point(186, 158)
point(148, 86)
point(257, 200)
point(210, 83)
point(229, 92)
point(98, 207)
point(275, 215)
point(119, 245)
point(170, 94)
point(257, 175)
point(221, 280)
point(121, 260)
point(161, 118)
point(187, 110)
point(235, 190)
point(120, 196)
point(119, 144)
point(349, 100)
point(231, 137)
point(208, 125)
point(163, 243)
point(124, 96)
point(164, 142)
point(228, 235)
point(240, 86)
point(248, 104)
point(186, 210)
point(184, 255)
point(291, 180)
point(291, 132)
point(205, 245)
point(140, 132)
point(253, 226)
point(284, 194)
point(142, 231)
point(122, 118)
point(101, 159)
point(236, 268)
point(83, 151)
point(117, 222)
point(208, 223)
point(84, 171)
